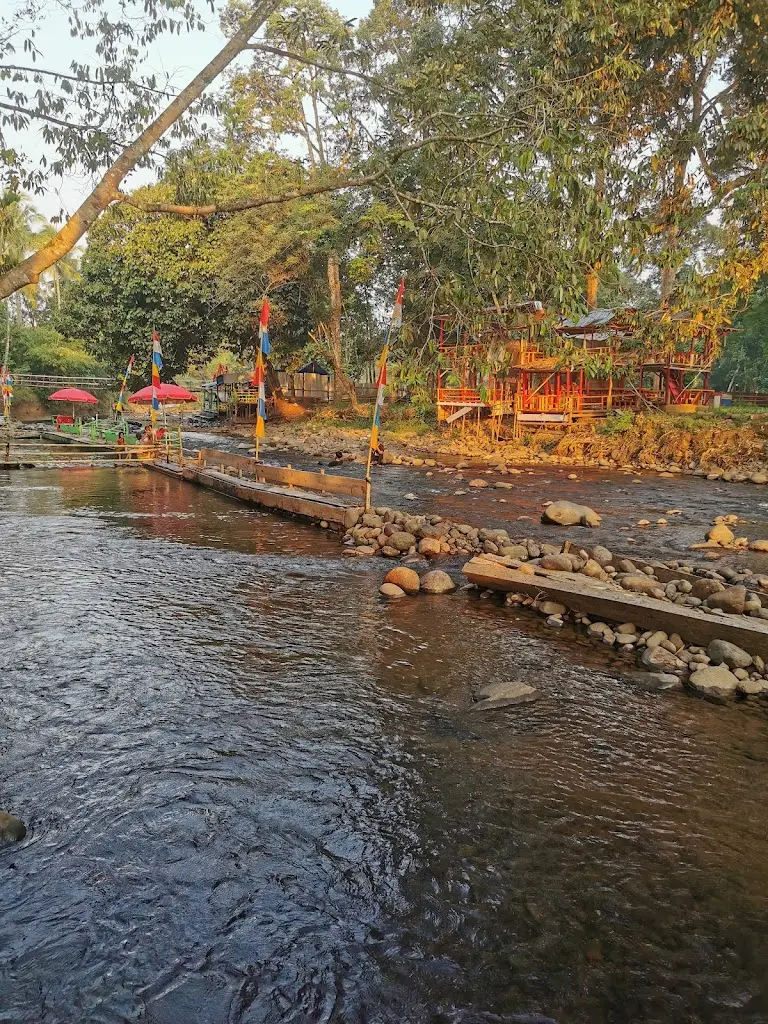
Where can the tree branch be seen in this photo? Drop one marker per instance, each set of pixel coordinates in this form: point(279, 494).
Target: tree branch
point(102, 83)
point(337, 69)
point(29, 270)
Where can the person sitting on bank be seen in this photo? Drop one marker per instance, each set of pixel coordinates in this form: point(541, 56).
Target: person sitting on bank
point(377, 455)
point(121, 444)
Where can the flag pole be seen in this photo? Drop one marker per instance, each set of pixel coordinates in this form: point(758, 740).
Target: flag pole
point(381, 383)
point(258, 382)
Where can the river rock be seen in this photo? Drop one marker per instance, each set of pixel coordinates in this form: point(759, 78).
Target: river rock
point(721, 652)
point(703, 588)
point(12, 829)
point(503, 694)
point(552, 608)
point(371, 520)
point(658, 680)
point(437, 582)
point(752, 687)
point(730, 600)
point(659, 659)
point(759, 478)
point(566, 513)
point(714, 682)
point(406, 579)
point(592, 569)
point(478, 482)
point(602, 555)
point(391, 590)
point(639, 585)
point(401, 540)
point(758, 545)
point(559, 563)
point(721, 535)
point(429, 546)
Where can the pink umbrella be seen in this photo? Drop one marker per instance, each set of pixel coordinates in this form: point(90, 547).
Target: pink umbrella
point(73, 395)
point(165, 393)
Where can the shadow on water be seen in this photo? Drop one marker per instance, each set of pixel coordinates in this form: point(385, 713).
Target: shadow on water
point(255, 794)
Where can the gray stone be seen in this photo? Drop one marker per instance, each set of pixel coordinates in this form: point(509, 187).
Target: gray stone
point(721, 652)
point(391, 590)
point(504, 694)
point(658, 659)
point(602, 555)
point(401, 540)
point(714, 682)
point(658, 680)
point(437, 582)
point(752, 687)
point(12, 829)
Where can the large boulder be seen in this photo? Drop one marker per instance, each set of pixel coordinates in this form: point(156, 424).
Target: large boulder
point(437, 582)
point(730, 600)
point(721, 652)
point(405, 578)
point(566, 513)
point(720, 534)
point(12, 829)
point(714, 682)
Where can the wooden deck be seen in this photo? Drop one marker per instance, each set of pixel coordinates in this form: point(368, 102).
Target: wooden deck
point(317, 497)
point(598, 600)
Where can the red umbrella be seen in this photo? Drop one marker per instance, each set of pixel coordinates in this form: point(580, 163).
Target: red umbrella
point(165, 393)
point(73, 395)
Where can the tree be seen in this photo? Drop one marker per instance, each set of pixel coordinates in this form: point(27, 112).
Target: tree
point(74, 145)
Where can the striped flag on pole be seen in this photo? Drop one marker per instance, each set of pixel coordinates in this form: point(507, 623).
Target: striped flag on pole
point(266, 348)
point(119, 407)
point(258, 374)
point(157, 365)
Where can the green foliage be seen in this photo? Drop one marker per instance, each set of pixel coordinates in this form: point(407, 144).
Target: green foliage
point(618, 422)
point(43, 350)
point(743, 364)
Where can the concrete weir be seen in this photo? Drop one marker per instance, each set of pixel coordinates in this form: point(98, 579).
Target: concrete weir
point(598, 600)
point(318, 497)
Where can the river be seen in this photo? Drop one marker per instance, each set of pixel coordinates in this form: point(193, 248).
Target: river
point(256, 794)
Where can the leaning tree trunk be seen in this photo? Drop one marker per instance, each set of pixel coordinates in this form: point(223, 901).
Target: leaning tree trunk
point(334, 331)
point(107, 190)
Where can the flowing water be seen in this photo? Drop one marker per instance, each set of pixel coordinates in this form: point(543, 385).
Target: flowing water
point(257, 794)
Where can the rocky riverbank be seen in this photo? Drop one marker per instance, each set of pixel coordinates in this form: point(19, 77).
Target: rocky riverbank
point(718, 670)
point(709, 446)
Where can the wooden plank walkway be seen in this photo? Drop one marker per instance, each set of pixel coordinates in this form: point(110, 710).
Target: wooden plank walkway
point(318, 497)
point(600, 601)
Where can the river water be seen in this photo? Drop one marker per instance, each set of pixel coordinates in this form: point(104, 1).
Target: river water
point(257, 794)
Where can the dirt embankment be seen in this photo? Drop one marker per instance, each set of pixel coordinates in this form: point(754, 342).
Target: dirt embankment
point(706, 443)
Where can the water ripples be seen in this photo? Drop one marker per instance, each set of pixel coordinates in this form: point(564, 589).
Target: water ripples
point(255, 794)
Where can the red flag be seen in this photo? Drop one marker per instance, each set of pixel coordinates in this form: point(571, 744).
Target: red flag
point(264, 319)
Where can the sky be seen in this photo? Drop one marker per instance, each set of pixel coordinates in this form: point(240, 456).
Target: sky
point(181, 57)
